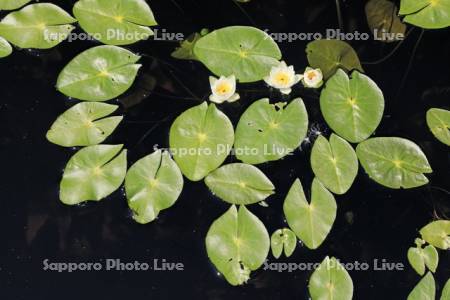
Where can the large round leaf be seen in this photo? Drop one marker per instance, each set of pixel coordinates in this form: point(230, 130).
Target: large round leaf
point(5, 48)
point(12, 4)
point(41, 26)
point(428, 14)
point(330, 55)
point(311, 222)
point(437, 233)
point(200, 139)
point(115, 22)
point(383, 20)
point(352, 107)
point(283, 239)
point(239, 184)
point(93, 173)
point(330, 281)
point(425, 289)
point(246, 52)
point(334, 163)
point(84, 125)
point(99, 74)
point(237, 243)
point(438, 121)
point(152, 184)
point(419, 258)
point(394, 162)
point(268, 132)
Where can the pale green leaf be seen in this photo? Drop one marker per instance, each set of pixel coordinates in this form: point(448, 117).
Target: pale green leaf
point(419, 258)
point(446, 291)
point(437, 233)
point(383, 19)
point(428, 14)
point(425, 289)
point(12, 4)
point(438, 121)
point(5, 48)
point(283, 239)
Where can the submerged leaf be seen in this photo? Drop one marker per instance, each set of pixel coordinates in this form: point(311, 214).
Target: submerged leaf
point(419, 258)
point(438, 121)
point(239, 184)
point(283, 239)
point(428, 14)
point(237, 243)
point(5, 48)
point(437, 233)
point(383, 19)
point(425, 289)
point(12, 4)
point(186, 49)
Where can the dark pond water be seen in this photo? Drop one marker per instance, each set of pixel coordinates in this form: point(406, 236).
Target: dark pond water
point(372, 222)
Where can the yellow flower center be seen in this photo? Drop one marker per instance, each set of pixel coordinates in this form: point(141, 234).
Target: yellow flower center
point(282, 78)
point(223, 88)
point(311, 75)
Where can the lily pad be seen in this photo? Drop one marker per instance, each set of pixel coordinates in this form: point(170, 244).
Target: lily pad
point(437, 233)
point(93, 173)
point(5, 48)
point(311, 222)
point(383, 19)
point(334, 163)
point(246, 52)
point(12, 4)
point(200, 139)
point(84, 125)
point(425, 289)
point(428, 14)
point(330, 281)
point(330, 55)
point(152, 184)
point(446, 291)
point(394, 162)
point(438, 121)
point(352, 107)
point(268, 132)
point(239, 184)
point(115, 22)
point(40, 26)
point(419, 258)
point(283, 239)
point(237, 243)
point(99, 74)
point(186, 49)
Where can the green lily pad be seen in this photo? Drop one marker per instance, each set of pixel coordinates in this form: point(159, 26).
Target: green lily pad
point(352, 107)
point(99, 74)
point(40, 26)
point(268, 132)
point(446, 291)
point(93, 173)
point(334, 163)
point(428, 14)
point(239, 184)
point(84, 125)
point(383, 19)
point(438, 121)
point(237, 243)
point(419, 258)
point(201, 139)
point(246, 52)
point(186, 49)
point(394, 162)
point(311, 222)
point(283, 239)
point(425, 289)
point(115, 22)
point(330, 55)
point(437, 233)
point(152, 184)
point(12, 4)
point(330, 281)
point(5, 48)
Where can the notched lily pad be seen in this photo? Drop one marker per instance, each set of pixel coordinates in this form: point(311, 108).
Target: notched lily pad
point(239, 184)
point(428, 14)
point(283, 239)
point(438, 121)
point(5, 48)
point(382, 17)
point(437, 233)
point(425, 289)
point(419, 258)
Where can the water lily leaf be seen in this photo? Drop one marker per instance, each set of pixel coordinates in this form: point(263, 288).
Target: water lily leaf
point(268, 132)
point(12, 4)
point(352, 107)
point(334, 163)
point(283, 239)
point(311, 222)
point(99, 74)
point(330, 281)
point(201, 138)
point(115, 22)
point(186, 49)
point(93, 173)
point(246, 52)
point(419, 258)
point(428, 14)
point(152, 184)
point(330, 55)
point(5, 48)
point(237, 243)
point(425, 289)
point(40, 26)
point(394, 162)
point(239, 184)
point(84, 125)
point(437, 233)
point(438, 121)
point(382, 18)
point(446, 291)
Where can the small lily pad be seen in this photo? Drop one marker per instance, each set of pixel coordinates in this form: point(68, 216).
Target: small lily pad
point(237, 243)
point(84, 125)
point(394, 162)
point(152, 184)
point(437, 233)
point(382, 17)
point(99, 74)
point(446, 291)
point(5, 48)
point(186, 49)
point(311, 222)
point(438, 121)
point(425, 289)
point(283, 239)
point(419, 258)
point(12, 4)
point(428, 14)
point(239, 184)
point(93, 173)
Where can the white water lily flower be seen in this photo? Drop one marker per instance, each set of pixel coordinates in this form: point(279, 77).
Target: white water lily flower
point(282, 77)
point(223, 89)
point(312, 78)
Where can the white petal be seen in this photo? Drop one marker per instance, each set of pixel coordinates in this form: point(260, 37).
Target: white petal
point(216, 99)
point(234, 98)
point(286, 91)
point(212, 81)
